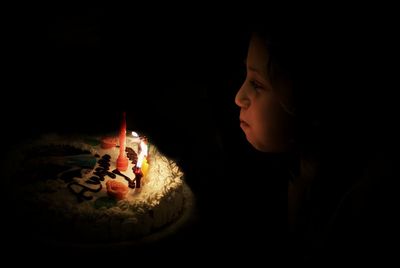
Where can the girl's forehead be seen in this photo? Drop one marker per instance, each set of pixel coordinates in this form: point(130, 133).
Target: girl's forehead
point(258, 46)
point(257, 57)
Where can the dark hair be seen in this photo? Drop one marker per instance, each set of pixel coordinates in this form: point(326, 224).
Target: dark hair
point(299, 53)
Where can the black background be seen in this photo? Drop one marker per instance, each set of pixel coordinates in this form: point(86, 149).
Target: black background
point(75, 69)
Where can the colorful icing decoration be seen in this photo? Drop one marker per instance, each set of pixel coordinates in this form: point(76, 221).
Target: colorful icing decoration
point(109, 142)
point(116, 189)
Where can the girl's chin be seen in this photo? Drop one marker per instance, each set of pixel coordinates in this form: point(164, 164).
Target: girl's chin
point(262, 147)
point(268, 148)
point(254, 143)
point(259, 148)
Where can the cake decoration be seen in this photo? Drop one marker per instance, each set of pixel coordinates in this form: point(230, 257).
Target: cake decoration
point(108, 142)
point(117, 189)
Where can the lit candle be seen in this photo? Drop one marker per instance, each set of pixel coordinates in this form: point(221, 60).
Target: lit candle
point(145, 167)
point(142, 153)
point(122, 160)
point(142, 166)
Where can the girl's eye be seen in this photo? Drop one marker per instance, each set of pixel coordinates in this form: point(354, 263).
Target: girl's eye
point(256, 86)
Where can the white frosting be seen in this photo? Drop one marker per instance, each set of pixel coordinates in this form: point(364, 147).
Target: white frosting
point(159, 201)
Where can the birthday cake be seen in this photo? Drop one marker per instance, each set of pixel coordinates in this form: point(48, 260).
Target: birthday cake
point(71, 188)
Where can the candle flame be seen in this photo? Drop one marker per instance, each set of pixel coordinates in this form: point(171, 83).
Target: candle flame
point(143, 153)
point(134, 134)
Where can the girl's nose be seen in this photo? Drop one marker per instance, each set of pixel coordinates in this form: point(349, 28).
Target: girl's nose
point(241, 98)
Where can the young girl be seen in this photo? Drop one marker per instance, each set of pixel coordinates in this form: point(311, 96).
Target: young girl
point(282, 103)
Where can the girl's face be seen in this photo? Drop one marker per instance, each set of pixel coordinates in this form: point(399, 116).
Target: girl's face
point(263, 116)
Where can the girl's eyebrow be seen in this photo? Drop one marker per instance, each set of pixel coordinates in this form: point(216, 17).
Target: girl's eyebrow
point(251, 68)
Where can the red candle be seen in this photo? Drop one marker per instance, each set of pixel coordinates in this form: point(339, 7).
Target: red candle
point(122, 160)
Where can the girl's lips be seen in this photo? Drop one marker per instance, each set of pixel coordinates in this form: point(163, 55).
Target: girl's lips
point(244, 124)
